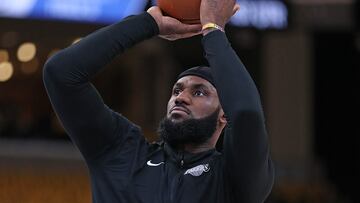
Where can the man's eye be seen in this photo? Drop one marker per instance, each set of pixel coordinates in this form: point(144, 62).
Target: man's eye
point(176, 91)
point(199, 93)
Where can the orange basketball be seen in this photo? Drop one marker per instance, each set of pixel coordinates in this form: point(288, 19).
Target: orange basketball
point(187, 11)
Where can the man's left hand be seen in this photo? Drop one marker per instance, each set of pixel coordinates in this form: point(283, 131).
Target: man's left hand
point(171, 28)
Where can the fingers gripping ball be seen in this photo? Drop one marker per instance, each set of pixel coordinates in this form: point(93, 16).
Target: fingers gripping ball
point(187, 11)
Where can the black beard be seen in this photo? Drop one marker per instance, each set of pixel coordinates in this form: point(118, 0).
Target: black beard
point(190, 131)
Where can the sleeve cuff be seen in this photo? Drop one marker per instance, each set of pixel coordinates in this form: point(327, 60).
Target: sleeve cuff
point(151, 22)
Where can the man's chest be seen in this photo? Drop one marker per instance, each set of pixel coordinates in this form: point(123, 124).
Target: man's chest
point(162, 181)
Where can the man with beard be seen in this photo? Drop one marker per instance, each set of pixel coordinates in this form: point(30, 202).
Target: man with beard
point(205, 101)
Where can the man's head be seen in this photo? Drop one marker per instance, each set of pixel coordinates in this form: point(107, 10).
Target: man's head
point(194, 114)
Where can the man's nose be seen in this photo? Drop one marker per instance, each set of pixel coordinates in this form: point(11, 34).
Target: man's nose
point(183, 98)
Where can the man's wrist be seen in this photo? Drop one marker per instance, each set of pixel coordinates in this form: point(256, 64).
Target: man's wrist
point(207, 31)
point(209, 27)
point(155, 18)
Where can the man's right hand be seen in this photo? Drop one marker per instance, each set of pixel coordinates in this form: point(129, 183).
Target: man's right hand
point(217, 11)
point(171, 28)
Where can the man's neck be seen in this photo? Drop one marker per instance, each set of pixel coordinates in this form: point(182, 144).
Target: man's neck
point(198, 148)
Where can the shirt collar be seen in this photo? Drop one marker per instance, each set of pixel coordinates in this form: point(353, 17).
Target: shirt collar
point(186, 159)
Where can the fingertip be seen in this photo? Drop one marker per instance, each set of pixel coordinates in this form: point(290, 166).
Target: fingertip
point(199, 27)
point(237, 7)
point(194, 27)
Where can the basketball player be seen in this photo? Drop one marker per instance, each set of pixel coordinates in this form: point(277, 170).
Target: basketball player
point(185, 167)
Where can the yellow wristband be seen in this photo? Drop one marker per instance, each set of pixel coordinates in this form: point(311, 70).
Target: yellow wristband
point(212, 25)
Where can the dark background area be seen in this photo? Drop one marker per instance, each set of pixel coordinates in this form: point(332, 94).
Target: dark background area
point(336, 107)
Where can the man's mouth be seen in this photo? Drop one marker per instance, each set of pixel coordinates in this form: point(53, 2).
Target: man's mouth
point(179, 109)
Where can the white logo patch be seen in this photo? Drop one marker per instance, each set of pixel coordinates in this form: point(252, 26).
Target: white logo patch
point(198, 170)
point(149, 163)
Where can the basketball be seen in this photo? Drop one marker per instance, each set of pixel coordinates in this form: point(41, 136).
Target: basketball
point(186, 11)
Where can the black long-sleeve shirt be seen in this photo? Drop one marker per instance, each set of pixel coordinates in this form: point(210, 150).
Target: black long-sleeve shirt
point(123, 166)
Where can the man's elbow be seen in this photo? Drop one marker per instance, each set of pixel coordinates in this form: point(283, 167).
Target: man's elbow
point(54, 71)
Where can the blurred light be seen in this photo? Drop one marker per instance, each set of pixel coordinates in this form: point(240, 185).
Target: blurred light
point(76, 40)
point(4, 55)
point(262, 14)
point(6, 71)
point(16, 7)
point(26, 52)
point(9, 39)
point(52, 52)
point(30, 67)
point(106, 11)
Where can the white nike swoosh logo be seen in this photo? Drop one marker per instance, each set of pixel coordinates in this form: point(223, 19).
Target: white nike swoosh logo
point(152, 164)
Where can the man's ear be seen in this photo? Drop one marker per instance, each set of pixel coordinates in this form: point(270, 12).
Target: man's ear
point(222, 117)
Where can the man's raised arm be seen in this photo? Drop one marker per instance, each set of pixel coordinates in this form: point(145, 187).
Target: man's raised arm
point(247, 163)
point(89, 122)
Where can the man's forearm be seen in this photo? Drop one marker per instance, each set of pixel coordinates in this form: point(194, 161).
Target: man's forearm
point(237, 91)
point(96, 50)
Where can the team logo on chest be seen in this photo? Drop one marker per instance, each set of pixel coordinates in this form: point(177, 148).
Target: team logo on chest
point(198, 170)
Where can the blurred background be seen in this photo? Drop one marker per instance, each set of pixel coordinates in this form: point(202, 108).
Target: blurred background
point(303, 55)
